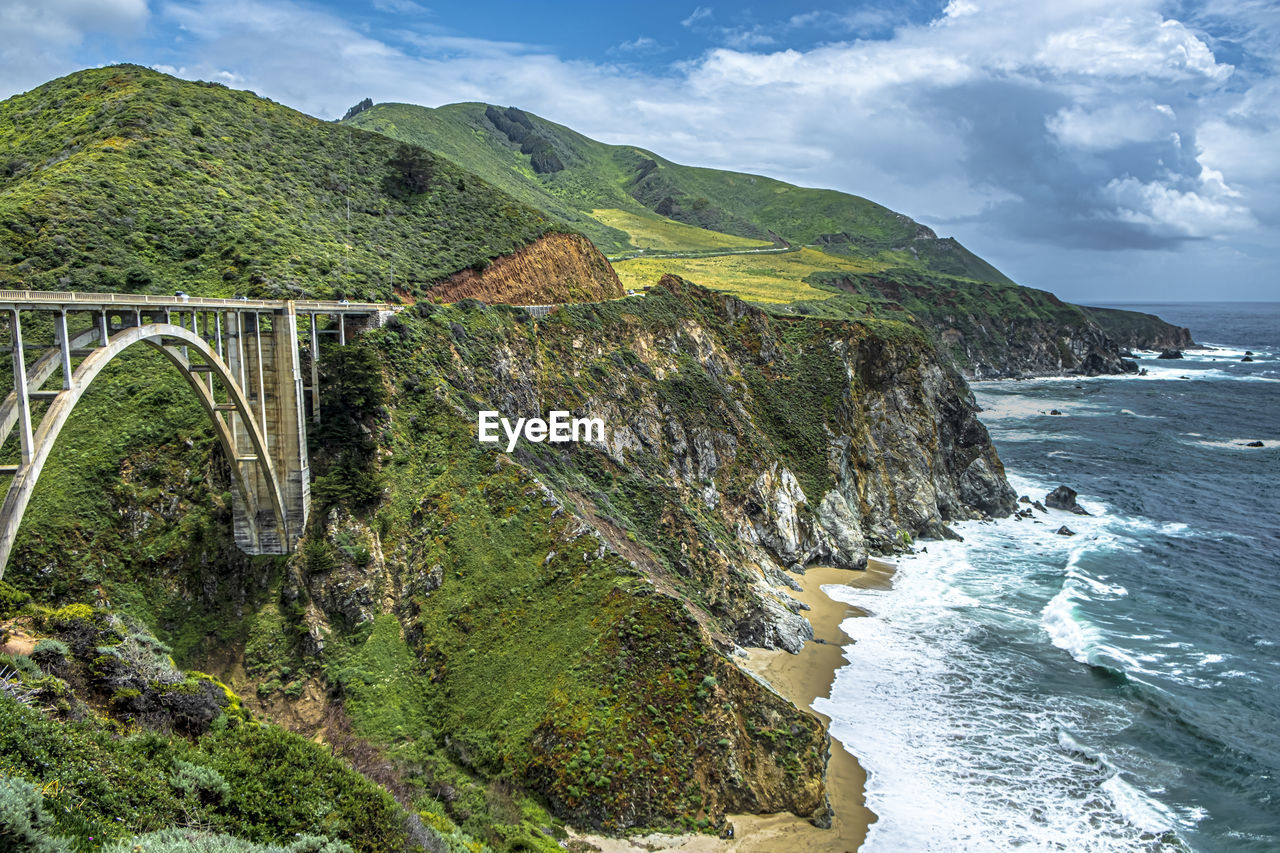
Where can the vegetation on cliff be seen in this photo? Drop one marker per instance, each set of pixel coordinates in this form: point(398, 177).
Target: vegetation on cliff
point(103, 737)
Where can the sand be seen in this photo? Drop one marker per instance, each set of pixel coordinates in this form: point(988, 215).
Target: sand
point(802, 678)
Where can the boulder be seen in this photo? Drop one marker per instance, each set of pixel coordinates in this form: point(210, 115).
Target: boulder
point(1039, 506)
point(1065, 531)
point(1247, 358)
point(1255, 444)
point(1064, 497)
point(1170, 353)
point(1054, 412)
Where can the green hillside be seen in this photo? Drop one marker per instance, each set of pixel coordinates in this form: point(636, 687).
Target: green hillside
point(122, 178)
point(794, 249)
point(575, 179)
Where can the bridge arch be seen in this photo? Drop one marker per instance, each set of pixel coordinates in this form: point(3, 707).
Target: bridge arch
point(258, 486)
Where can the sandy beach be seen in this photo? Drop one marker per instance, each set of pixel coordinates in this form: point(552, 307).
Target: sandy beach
point(802, 678)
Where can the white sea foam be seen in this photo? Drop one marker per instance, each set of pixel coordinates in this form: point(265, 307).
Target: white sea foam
point(962, 750)
point(1235, 443)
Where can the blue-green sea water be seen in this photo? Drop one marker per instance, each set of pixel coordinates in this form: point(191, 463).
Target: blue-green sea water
point(1114, 690)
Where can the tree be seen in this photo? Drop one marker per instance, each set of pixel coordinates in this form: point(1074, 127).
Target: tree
point(411, 170)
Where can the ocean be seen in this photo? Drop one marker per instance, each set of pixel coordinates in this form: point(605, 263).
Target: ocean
point(1118, 689)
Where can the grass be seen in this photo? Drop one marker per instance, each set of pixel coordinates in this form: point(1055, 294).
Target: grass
point(756, 278)
point(667, 235)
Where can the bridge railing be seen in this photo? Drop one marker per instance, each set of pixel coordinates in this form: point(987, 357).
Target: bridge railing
point(55, 299)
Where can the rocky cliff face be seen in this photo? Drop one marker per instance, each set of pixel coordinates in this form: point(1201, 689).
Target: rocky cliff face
point(773, 444)
point(738, 448)
point(554, 269)
point(1136, 330)
point(994, 330)
point(996, 348)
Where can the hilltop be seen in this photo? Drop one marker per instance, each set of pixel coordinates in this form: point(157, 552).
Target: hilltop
point(122, 178)
point(626, 198)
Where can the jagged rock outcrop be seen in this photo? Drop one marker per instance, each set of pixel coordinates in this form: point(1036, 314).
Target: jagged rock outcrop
point(554, 269)
point(1136, 330)
point(1064, 497)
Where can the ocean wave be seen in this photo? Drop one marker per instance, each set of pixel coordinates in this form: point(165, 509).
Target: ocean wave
point(1232, 443)
point(965, 752)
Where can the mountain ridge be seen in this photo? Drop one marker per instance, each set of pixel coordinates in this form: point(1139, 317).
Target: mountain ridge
point(858, 259)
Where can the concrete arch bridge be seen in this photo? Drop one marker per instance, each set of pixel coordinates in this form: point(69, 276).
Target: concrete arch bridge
point(241, 359)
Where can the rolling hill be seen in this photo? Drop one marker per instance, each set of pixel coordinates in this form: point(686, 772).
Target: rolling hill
point(619, 194)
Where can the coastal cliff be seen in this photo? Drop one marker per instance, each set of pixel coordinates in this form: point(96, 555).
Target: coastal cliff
point(994, 330)
point(1136, 330)
point(562, 618)
point(617, 575)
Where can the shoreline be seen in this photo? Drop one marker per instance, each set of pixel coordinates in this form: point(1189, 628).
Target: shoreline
point(801, 678)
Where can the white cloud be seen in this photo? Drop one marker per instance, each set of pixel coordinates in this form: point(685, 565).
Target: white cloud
point(700, 13)
point(1099, 123)
point(639, 44)
point(1137, 46)
point(1112, 125)
point(401, 7)
point(39, 36)
point(1208, 212)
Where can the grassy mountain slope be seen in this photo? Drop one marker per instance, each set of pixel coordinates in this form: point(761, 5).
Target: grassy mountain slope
point(770, 242)
point(121, 178)
point(594, 182)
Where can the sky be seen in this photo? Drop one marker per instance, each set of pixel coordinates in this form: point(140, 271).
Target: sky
point(1106, 150)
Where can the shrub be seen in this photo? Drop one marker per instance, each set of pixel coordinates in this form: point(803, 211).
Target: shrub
point(71, 616)
point(50, 654)
point(411, 170)
point(11, 600)
point(23, 822)
point(198, 782)
point(187, 840)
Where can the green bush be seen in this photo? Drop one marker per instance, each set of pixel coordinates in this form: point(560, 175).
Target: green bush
point(11, 600)
point(198, 782)
point(24, 826)
point(189, 840)
point(50, 654)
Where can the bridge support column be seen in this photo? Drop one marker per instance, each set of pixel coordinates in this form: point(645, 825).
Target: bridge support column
point(269, 359)
point(288, 420)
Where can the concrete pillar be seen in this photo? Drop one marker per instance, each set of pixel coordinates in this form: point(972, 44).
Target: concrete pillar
point(315, 370)
point(288, 419)
point(20, 389)
point(64, 344)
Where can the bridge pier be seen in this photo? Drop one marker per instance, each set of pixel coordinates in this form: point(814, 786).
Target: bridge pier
point(266, 349)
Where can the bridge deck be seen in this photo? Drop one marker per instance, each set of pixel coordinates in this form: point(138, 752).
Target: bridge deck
point(40, 300)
